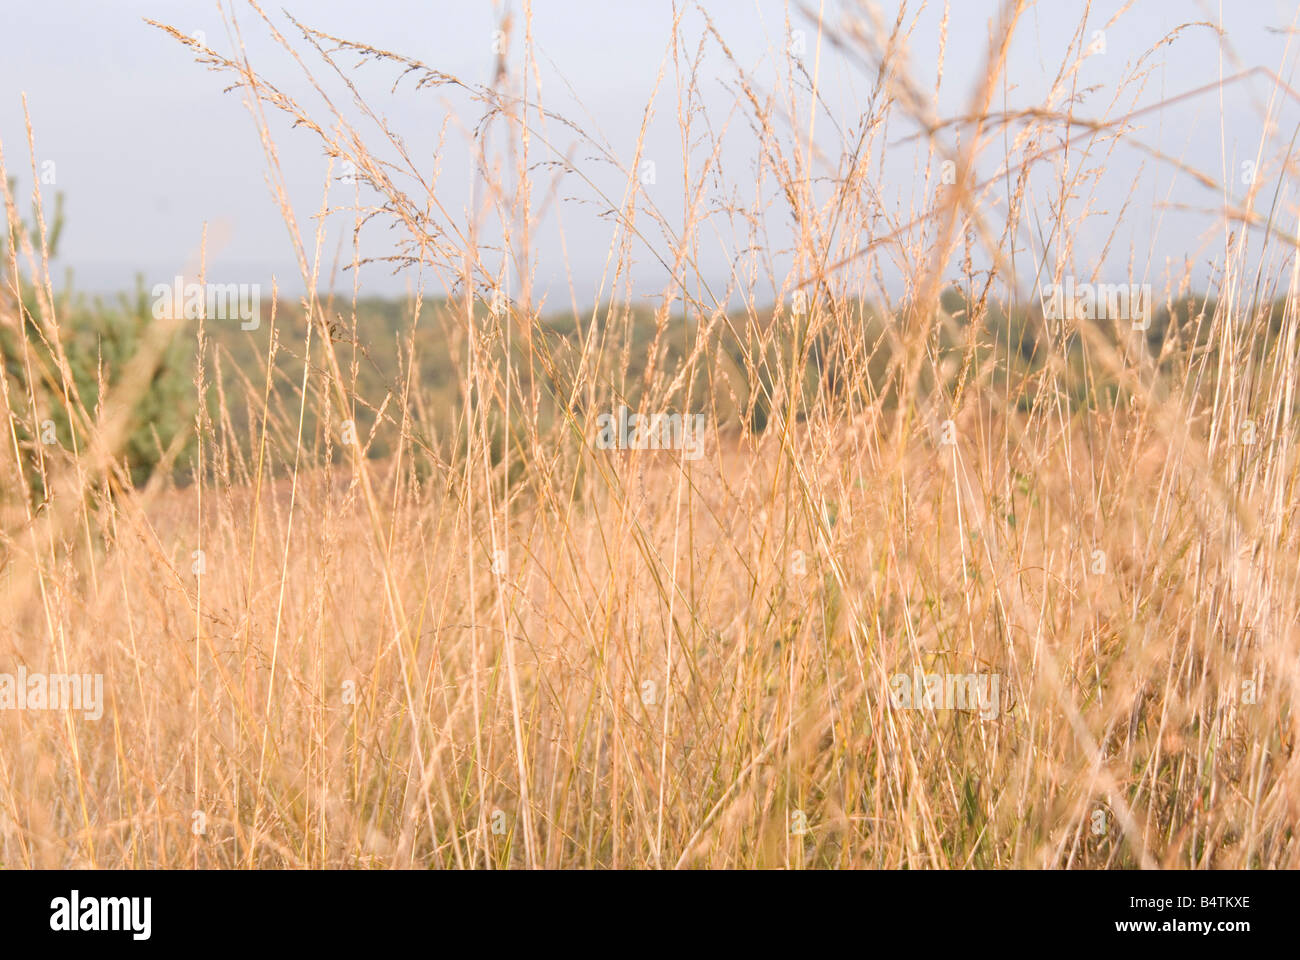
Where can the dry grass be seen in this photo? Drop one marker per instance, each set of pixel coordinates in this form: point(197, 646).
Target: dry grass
point(677, 662)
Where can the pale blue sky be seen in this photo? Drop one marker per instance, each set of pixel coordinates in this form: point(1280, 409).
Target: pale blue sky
point(147, 147)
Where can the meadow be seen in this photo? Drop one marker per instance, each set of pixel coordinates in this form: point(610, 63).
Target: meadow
point(366, 591)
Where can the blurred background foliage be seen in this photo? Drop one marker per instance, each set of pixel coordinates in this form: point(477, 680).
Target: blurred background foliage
point(847, 354)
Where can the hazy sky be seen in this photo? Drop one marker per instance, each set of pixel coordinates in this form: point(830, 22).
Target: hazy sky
point(147, 147)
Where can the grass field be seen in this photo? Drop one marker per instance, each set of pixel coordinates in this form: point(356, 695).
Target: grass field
point(387, 597)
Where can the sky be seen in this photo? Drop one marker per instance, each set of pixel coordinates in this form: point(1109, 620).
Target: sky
point(147, 146)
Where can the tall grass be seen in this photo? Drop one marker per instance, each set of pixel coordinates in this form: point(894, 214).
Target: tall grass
point(499, 645)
